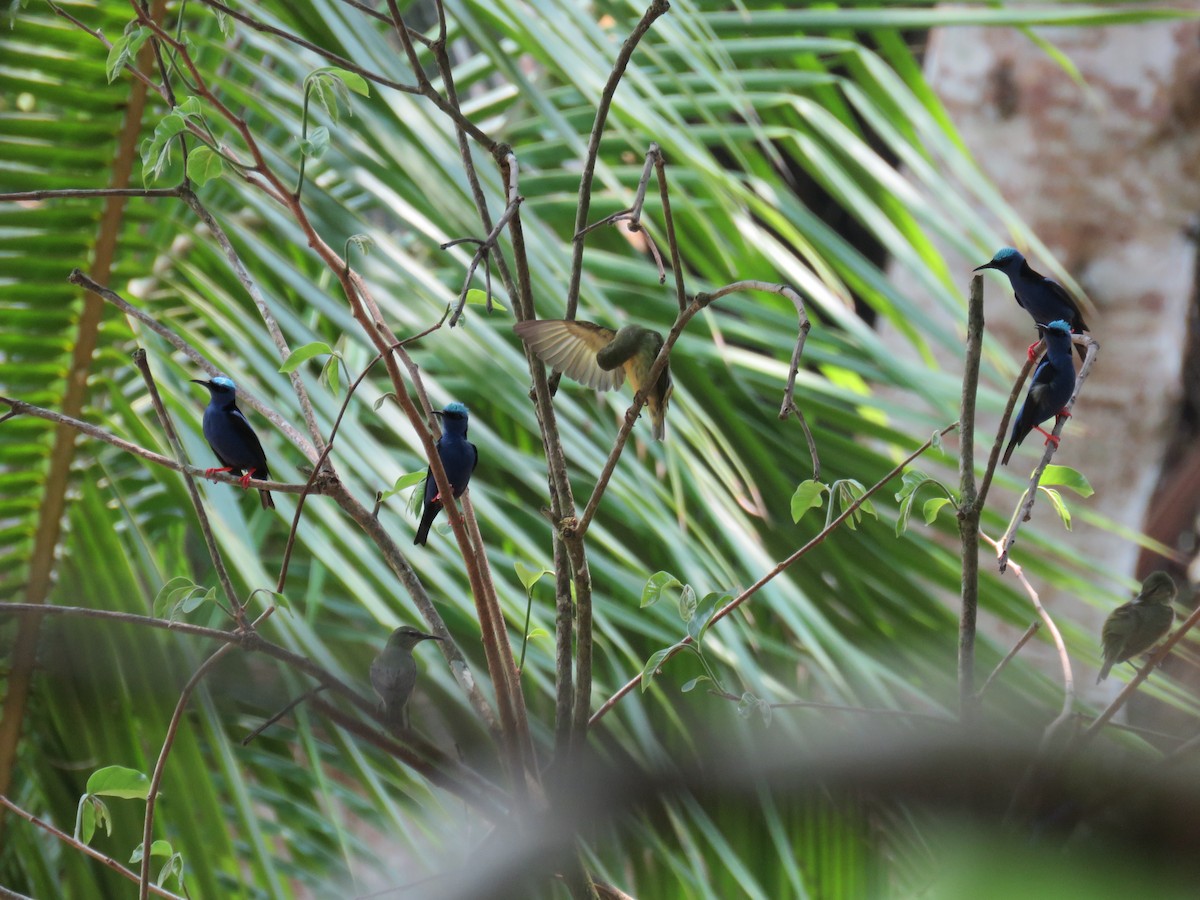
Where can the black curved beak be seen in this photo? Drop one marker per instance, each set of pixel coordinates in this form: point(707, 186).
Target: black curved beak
point(431, 637)
point(200, 381)
point(438, 412)
point(987, 265)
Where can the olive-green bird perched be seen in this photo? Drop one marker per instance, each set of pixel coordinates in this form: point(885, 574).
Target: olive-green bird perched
point(602, 359)
point(394, 673)
point(1138, 625)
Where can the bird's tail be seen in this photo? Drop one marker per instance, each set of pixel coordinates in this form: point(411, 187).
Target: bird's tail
point(659, 420)
point(1008, 451)
point(265, 498)
point(427, 517)
point(1104, 669)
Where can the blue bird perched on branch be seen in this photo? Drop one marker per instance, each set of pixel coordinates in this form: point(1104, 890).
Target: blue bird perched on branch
point(231, 437)
point(1051, 388)
point(459, 457)
point(1043, 298)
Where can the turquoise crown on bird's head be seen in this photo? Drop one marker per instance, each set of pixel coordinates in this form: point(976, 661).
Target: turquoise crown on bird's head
point(1006, 253)
point(222, 381)
point(1059, 325)
point(456, 407)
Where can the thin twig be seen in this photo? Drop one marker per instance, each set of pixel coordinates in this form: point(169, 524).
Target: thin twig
point(235, 607)
point(247, 397)
point(656, 9)
point(19, 196)
point(632, 214)
point(268, 317)
point(1064, 659)
point(252, 642)
point(307, 695)
point(20, 407)
point(968, 509)
point(1021, 642)
point(838, 707)
point(83, 848)
point(482, 253)
point(1025, 510)
point(339, 61)
point(168, 742)
point(779, 568)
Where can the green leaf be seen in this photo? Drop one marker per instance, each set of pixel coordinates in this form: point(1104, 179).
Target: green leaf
point(1060, 507)
point(118, 781)
point(932, 507)
point(705, 609)
point(808, 496)
point(317, 142)
point(935, 440)
point(203, 165)
point(749, 704)
point(657, 584)
point(225, 23)
point(1065, 476)
point(124, 49)
point(162, 602)
point(476, 297)
point(352, 80)
point(690, 685)
point(197, 598)
point(362, 242)
point(330, 373)
point(157, 848)
point(404, 482)
point(381, 400)
point(651, 668)
point(538, 633)
point(529, 577)
point(687, 603)
point(190, 107)
point(301, 355)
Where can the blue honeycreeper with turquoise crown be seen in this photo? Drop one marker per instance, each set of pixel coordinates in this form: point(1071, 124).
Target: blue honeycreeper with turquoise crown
point(1051, 388)
point(459, 457)
point(231, 437)
point(1043, 298)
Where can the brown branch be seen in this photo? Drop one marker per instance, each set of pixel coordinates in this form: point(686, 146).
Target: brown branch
point(235, 607)
point(1064, 659)
point(779, 568)
point(83, 848)
point(660, 168)
point(268, 317)
point(252, 642)
point(656, 9)
point(1025, 509)
point(20, 407)
point(339, 61)
point(482, 253)
point(968, 510)
point(633, 213)
point(161, 765)
point(19, 196)
point(305, 446)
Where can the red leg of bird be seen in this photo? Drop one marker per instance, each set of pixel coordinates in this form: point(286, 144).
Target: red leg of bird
point(1032, 356)
point(209, 473)
point(1050, 438)
point(1063, 414)
point(244, 481)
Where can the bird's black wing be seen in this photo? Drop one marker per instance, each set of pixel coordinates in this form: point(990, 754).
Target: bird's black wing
point(241, 427)
point(1077, 324)
point(475, 453)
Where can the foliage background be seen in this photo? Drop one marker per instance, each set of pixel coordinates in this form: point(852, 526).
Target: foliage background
point(782, 130)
